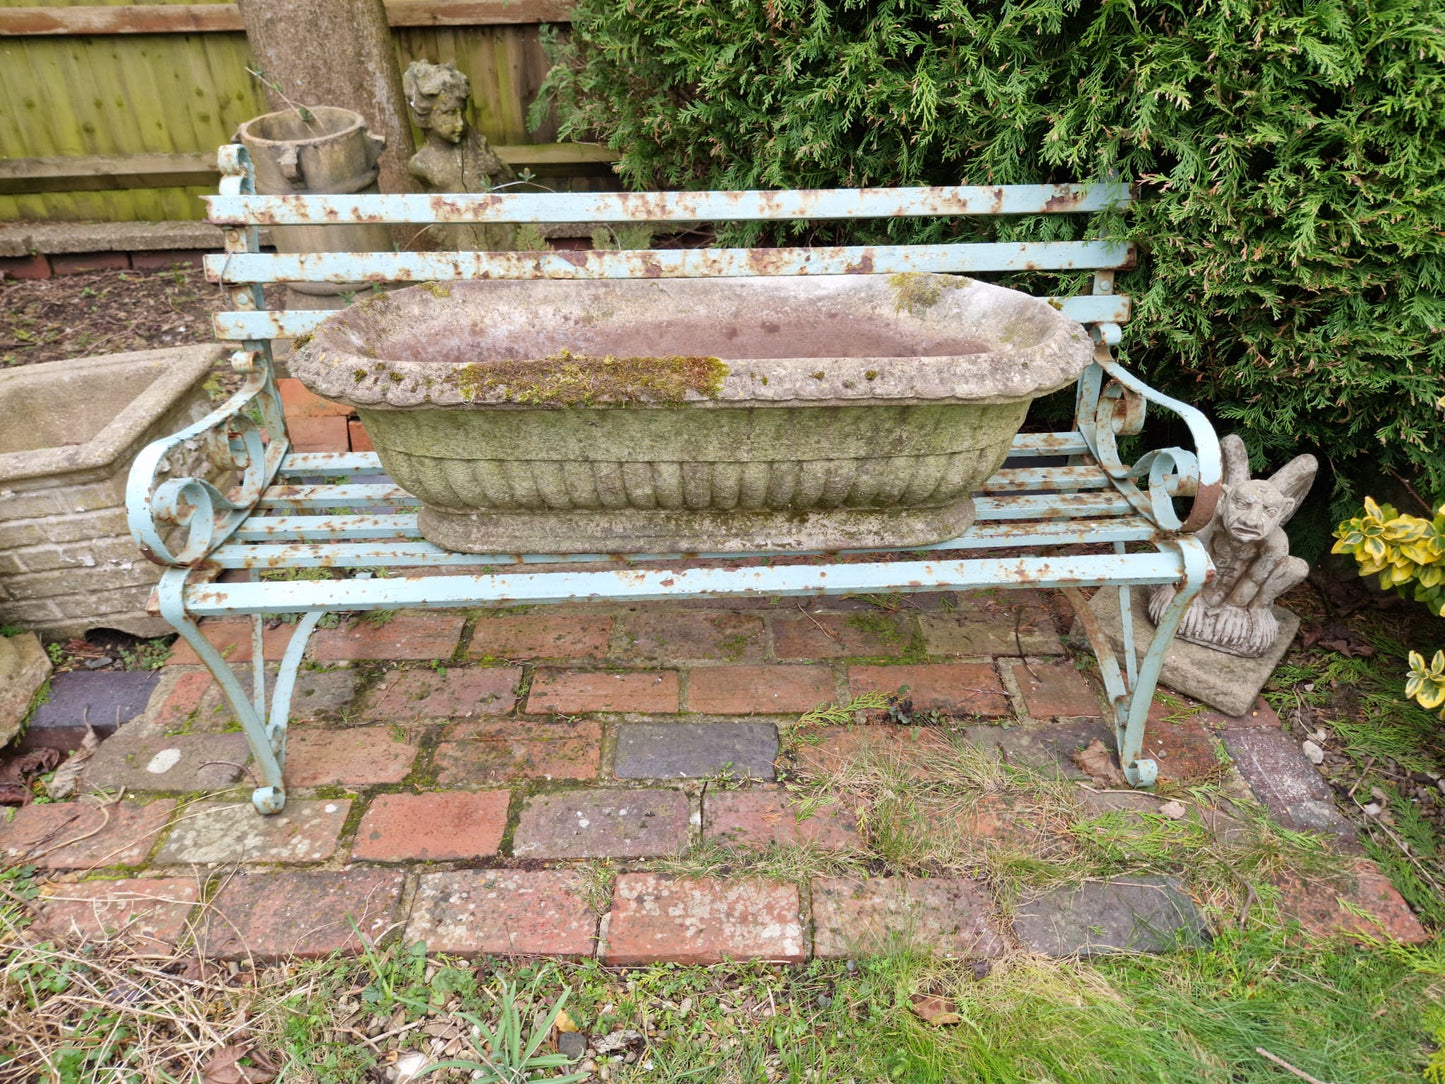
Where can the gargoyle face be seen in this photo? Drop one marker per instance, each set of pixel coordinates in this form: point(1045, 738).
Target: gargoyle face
point(1253, 509)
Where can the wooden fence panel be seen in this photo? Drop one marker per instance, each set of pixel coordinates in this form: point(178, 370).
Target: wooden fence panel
point(125, 93)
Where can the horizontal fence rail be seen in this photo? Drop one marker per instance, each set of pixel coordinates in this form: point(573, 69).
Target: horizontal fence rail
point(740, 206)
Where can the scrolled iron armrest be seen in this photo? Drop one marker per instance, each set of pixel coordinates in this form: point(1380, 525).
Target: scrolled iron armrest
point(1119, 407)
point(158, 506)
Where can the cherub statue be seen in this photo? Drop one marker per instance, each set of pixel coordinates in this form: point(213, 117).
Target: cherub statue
point(455, 157)
point(1252, 566)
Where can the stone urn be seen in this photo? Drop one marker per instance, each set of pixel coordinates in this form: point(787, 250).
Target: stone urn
point(67, 560)
point(694, 415)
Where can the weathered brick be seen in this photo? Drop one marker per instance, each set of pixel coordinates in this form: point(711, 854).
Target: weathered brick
point(148, 913)
point(1273, 765)
point(33, 266)
point(830, 636)
point(105, 699)
point(655, 918)
point(432, 827)
point(497, 912)
point(297, 401)
point(1179, 743)
point(830, 750)
point(541, 636)
point(1125, 914)
point(77, 263)
point(167, 259)
point(683, 750)
point(195, 703)
point(1000, 623)
point(357, 436)
point(602, 824)
point(746, 690)
point(84, 834)
point(232, 638)
point(456, 691)
point(1056, 689)
point(956, 688)
point(1047, 748)
point(759, 816)
point(500, 751)
point(405, 636)
point(185, 762)
point(318, 434)
point(226, 832)
point(566, 692)
point(306, 914)
point(1360, 903)
point(354, 756)
point(692, 637)
point(951, 916)
point(1259, 717)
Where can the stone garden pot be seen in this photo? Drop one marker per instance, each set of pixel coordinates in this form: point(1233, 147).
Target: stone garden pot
point(67, 560)
point(693, 415)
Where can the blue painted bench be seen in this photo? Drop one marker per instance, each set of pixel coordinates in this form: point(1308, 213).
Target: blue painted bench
point(1064, 512)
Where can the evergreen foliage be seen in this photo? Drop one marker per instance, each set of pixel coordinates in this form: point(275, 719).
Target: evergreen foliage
point(1289, 153)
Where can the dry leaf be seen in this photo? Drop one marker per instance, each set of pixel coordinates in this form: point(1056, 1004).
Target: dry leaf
point(565, 1022)
point(1097, 761)
point(221, 1068)
point(936, 1010)
point(66, 780)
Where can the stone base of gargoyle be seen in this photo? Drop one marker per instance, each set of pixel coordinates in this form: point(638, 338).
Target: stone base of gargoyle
point(1228, 683)
point(1234, 630)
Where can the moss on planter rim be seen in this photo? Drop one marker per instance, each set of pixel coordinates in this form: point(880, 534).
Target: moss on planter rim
point(568, 379)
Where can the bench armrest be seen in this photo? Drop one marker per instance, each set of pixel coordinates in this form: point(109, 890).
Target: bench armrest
point(1112, 403)
point(178, 521)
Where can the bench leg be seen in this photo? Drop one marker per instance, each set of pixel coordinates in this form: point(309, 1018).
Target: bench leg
point(1131, 689)
point(266, 732)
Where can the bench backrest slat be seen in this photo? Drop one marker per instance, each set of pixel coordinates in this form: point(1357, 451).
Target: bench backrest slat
point(741, 206)
point(343, 267)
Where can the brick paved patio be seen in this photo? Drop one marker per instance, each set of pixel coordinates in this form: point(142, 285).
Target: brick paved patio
point(506, 782)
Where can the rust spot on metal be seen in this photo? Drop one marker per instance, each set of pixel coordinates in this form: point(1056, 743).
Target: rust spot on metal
point(667, 582)
point(1064, 201)
point(651, 267)
point(863, 265)
point(576, 257)
point(996, 207)
point(1202, 511)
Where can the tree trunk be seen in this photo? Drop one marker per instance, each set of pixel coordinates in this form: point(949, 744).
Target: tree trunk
point(335, 52)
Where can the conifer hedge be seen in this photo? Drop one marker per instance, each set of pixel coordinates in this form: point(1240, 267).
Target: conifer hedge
point(1291, 155)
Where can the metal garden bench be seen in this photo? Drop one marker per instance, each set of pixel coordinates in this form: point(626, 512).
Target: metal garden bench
point(1064, 512)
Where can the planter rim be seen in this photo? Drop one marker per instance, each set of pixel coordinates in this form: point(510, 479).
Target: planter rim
point(181, 367)
point(244, 130)
point(341, 363)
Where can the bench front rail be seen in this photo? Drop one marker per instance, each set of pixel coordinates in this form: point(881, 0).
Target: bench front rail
point(1065, 511)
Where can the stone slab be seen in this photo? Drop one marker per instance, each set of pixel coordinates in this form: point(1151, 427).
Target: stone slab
point(1221, 680)
point(84, 834)
point(696, 750)
point(214, 833)
point(168, 763)
point(760, 816)
point(1044, 747)
point(106, 699)
point(1275, 768)
point(432, 827)
point(1057, 690)
point(1125, 914)
point(148, 913)
point(950, 916)
point(656, 919)
point(603, 824)
point(24, 666)
point(306, 914)
point(496, 912)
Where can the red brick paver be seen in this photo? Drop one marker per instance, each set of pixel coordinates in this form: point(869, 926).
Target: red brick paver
point(307, 914)
point(84, 834)
point(151, 912)
point(958, 688)
point(569, 691)
point(232, 637)
point(319, 434)
point(748, 690)
point(404, 695)
point(540, 636)
point(297, 401)
point(835, 749)
point(405, 636)
point(759, 816)
point(504, 750)
point(1057, 689)
point(858, 916)
point(704, 637)
point(1260, 717)
point(476, 912)
point(354, 756)
point(603, 824)
point(702, 921)
point(830, 636)
point(1326, 906)
point(432, 827)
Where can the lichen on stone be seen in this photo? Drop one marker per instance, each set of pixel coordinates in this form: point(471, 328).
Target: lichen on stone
point(436, 289)
point(568, 379)
point(919, 291)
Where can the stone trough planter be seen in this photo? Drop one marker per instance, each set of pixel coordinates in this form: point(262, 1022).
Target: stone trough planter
point(67, 560)
point(701, 415)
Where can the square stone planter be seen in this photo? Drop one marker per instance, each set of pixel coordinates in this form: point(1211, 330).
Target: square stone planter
point(71, 428)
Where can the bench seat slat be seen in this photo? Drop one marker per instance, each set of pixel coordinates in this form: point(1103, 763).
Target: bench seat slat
point(357, 267)
point(239, 326)
point(737, 206)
